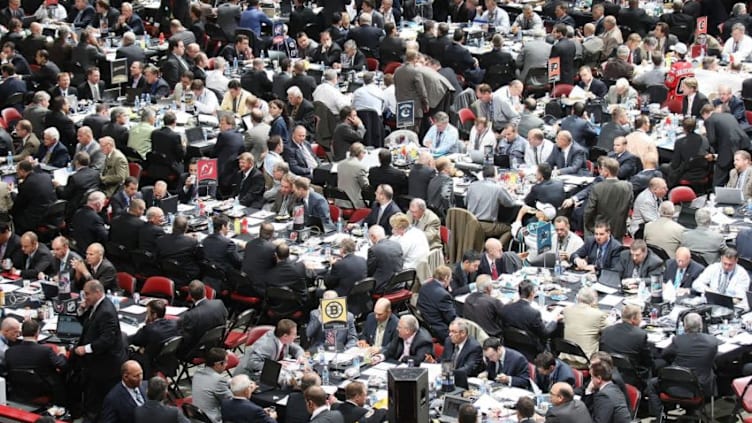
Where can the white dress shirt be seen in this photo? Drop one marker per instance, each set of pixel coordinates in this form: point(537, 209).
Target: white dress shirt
point(415, 247)
point(207, 102)
point(369, 97)
point(740, 50)
point(331, 96)
point(712, 276)
point(543, 151)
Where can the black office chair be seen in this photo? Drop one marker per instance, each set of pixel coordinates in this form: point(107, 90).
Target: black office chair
point(359, 301)
point(29, 386)
point(679, 387)
point(214, 337)
point(166, 362)
point(660, 252)
point(195, 414)
point(523, 341)
point(565, 346)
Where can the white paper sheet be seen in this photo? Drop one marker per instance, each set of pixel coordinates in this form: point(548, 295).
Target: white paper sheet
point(603, 289)
point(134, 309)
point(175, 311)
point(611, 300)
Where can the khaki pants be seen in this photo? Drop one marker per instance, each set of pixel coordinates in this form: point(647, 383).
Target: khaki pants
point(497, 230)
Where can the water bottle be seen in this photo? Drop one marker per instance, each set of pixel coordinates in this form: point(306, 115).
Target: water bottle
point(148, 98)
point(356, 365)
point(70, 167)
point(680, 329)
point(235, 64)
point(449, 20)
point(514, 163)
point(325, 375)
point(147, 40)
point(541, 298)
point(584, 280)
point(339, 224)
point(10, 159)
point(557, 267)
point(641, 288)
point(483, 387)
point(210, 225)
point(749, 202)
point(365, 229)
point(137, 105)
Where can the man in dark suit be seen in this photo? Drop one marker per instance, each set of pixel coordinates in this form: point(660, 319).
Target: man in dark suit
point(693, 99)
point(239, 408)
point(228, 17)
point(694, 350)
point(227, 150)
point(582, 130)
point(301, 80)
point(386, 174)
point(63, 88)
point(545, 190)
point(300, 110)
point(35, 195)
point(380, 327)
point(299, 155)
point(87, 53)
point(521, 315)
point(464, 273)
point(87, 225)
point(392, 48)
point(366, 36)
point(348, 270)
point(353, 409)
point(46, 76)
point(152, 335)
point(316, 402)
point(248, 182)
point(601, 251)
point(167, 142)
point(52, 151)
point(682, 270)
point(96, 267)
point(218, 248)
point(348, 131)
point(639, 262)
point(629, 164)
point(590, 84)
point(328, 51)
point(420, 175)
point(626, 338)
point(456, 56)
point(154, 410)
point(483, 308)
point(569, 158)
point(129, 21)
point(636, 19)
point(512, 371)
point(205, 314)
point(256, 81)
point(100, 348)
point(436, 304)
point(93, 88)
point(383, 208)
point(726, 137)
point(125, 228)
point(154, 85)
point(314, 204)
point(121, 200)
point(287, 273)
point(82, 14)
point(37, 258)
point(124, 397)
point(30, 355)
point(130, 51)
point(564, 49)
point(499, 65)
point(175, 64)
point(97, 120)
point(463, 351)
point(384, 257)
point(258, 260)
point(564, 408)
point(83, 180)
point(607, 404)
point(10, 244)
point(608, 201)
point(418, 348)
point(181, 248)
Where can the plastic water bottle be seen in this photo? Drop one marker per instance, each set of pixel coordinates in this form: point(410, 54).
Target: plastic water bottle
point(147, 40)
point(365, 229)
point(148, 98)
point(584, 280)
point(10, 159)
point(325, 375)
point(749, 202)
point(210, 225)
point(235, 64)
point(680, 328)
point(339, 224)
point(356, 365)
point(137, 104)
point(514, 163)
point(557, 266)
point(541, 298)
point(642, 289)
point(70, 167)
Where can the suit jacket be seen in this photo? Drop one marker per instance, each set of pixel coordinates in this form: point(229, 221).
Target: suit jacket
point(182, 248)
point(652, 266)
point(609, 131)
point(84, 90)
point(329, 416)
point(345, 337)
point(637, 20)
point(695, 351)
point(457, 57)
point(521, 315)
point(470, 357)
point(131, 53)
point(35, 195)
point(305, 82)
point(256, 82)
point(268, 346)
point(485, 311)
point(352, 178)
point(609, 200)
point(41, 358)
point(159, 89)
point(209, 389)
point(294, 156)
point(228, 16)
point(550, 191)
point(13, 251)
point(392, 49)
point(437, 307)
point(420, 176)
point(575, 163)
point(222, 251)
point(152, 335)
point(589, 251)
point(37, 115)
point(118, 132)
point(629, 341)
point(391, 176)
point(94, 121)
point(101, 330)
point(156, 412)
point(288, 274)
point(629, 164)
point(561, 373)
point(699, 101)
point(79, 183)
point(583, 325)
point(609, 405)
point(205, 315)
point(706, 242)
point(166, 141)
point(565, 50)
point(119, 405)
point(244, 411)
point(172, 68)
point(514, 366)
point(352, 413)
point(88, 227)
point(390, 210)
point(343, 137)
point(12, 86)
point(726, 137)
point(59, 156)
point(257, 261)
point(250, 190)
point(384, 260)
point(664, 233)
point(114, 173)
point(461, 280)
point(569, 412)
point(642, 179)
point(534, 54)
point(105, 273)
point(597, 87)
point(420, 346)
point(345, 272)
point(125, 230)
point(410, 85)
point(369, 330)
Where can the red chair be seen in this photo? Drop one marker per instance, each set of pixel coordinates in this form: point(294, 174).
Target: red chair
point(438, 350)
point(3, 124)
point(319, 151)
point(237, 333)
point(134, 170)
point(391, 67)
point(232, 362)
point(237, 278)
point(627, 241)
point(634, 395)
point(466, 115)
point(159, 286)
point(126, 282)
point(748, 114)
point(444, 234)
point(679, 195)
point(8, 413)
point(372, 64)
point(359, 215)
point(11, 116)
point(578, 378)
point(399, 289)
point(335, 212)
point(531, 370)
point(743, 394)
point(255, 333)
point(561, 90)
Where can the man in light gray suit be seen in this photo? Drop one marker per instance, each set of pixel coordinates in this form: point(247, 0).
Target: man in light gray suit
point(352, 177)
point(664, 232)
point(87, 144)
point(36, 112)
point(320, 337)
point(316, 402)
point(702, 240)
point(438, 88)
point(534, 54)
point(210, 385)
point(410, 85)
point(274, 345)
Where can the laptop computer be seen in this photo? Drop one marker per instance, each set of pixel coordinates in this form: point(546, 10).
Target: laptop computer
point(195, 135)
point(169, 204)
point(269, 379)
point(317, 222)
point(728, 196)
point(131, 94)
point(610, 278)
point(450, 411)
point(69, 329)
point(477, 157)
point(50, 289)
point(110, 95)
point(502, 161)
point(714, 298)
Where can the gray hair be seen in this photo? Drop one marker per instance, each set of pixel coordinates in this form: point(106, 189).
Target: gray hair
point(410, 322)
point(41, 96)
point(692, 323)
point(295, 91)
point(377, 231)
point(483, 282)
point(350, 44)
point(622, 83)
point(219, 62)
point(587, 295)
point(622, 51)
point(739, 25)
point(739, 9)
point(148, 113)
point(129, 38)
point(419, 203)
point(441, 117)
point(96, 197)
point(666, 209)
point(461, 324)
point(53, 133)
point(329, 75)
point(239, 383)
point(702, 217)
point(650, 41)
point(365, 19)
point(281, 166)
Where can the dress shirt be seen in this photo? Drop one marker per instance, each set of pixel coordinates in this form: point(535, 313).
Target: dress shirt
point(713, 277)
point(514, 149)
point(498, 18)
point(135, 394)
point(270, 160)
point(690, 100)
point(445, 142)
point(406, 345)
point(331, 96)
point(369, 97)
point(741, 50)
point(216, 80)
point(480, 140)
point(390, 99)
point(207, 102)
point(415, 247)
point(537, 155)
point(378, 339)
point(505, 107)
point(528, 26)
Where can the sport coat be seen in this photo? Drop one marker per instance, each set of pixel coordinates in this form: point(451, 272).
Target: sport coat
point(266, 347)
point(384, 260)
point(437, 307)
point(250, 189)
point(344, 338)
point(239, 410)
point(691, 273)
point(194, 323)
point(569, 412)
point(101, 330)
point(352, 178)
point(119, 405)
point(393, 177)
point(521, 315)
point(470, 357)
point(514, 366)
point(699, 101)
point(420, 346)
point(87, 227)
point(345, 273)
point(651, 266)
point(575, 162)
point(389, 211)
point(697, 352)
point(258, 260)
point(166, 141)
point(484, 310)
point(156, 412)
point(629, 341)
point(609, 200)
point(609, 405)
point(369, 330)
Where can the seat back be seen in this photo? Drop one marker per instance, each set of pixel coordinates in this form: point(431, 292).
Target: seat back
point(160, 287)
point(660, 252)
point(679, 195)
point(257, 332)
point(28, 385)
point(565, 346)
point(657, 93)
point(465, 233)
point(401, 280)
point(359, 301)
point(476, 331)
point(633, 395)
point(522, 341)
point(627, 370)
point(359, 215)
point(134, 170)
point(282, 302)
point(236, 278)
point(679, 382)
point(126, 282)
point(195, 414)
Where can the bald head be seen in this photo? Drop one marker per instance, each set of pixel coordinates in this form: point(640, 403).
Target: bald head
point(493, 248)
point(382, 310)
